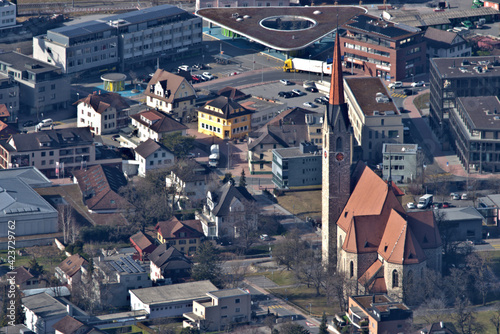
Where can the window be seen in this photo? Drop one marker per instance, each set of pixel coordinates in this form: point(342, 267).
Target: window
point(339, 144)
point(151, 163)
point(43, 154)
point(192, 241)
point(237, 310)
point(182, 242)
point(41, 89)
point(351, 269)
point(237, 301)
point(395, 279)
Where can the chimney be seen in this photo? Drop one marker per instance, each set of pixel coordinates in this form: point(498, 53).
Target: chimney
point(69, 310)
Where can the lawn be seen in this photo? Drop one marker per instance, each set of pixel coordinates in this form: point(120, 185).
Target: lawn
point(280, 277)
point(47, 256)
point(422, 101)
point(302, 203)
point(306, 298)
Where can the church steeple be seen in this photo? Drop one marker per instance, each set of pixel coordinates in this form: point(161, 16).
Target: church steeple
point(337, 81)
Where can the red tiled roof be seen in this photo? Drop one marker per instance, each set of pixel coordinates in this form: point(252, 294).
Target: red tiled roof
point(68, 325)
point(370, 272)
point(72, 264)
point(100, 102)
point(4, 112)
point(169, 228)
point(161, 123)
point(141, 240)
point(378, 286)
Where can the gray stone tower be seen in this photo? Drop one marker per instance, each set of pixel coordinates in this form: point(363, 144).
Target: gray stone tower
point(337, 161)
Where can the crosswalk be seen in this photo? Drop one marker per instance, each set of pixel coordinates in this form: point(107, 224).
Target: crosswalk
point(274, 306)
point(496, 246)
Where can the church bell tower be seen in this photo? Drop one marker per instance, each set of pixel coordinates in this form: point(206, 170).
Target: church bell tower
point(337, 160)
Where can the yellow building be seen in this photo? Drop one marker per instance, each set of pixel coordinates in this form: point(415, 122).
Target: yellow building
point(224, 118)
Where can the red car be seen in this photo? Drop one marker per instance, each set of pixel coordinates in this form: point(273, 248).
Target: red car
point(195, 79)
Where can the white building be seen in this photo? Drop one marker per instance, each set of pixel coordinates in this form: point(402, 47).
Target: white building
point(42, 312)
point(152, 155)
point(7, 14)
point(169, 300)
point(103, 113)
point(137, 37)
point(170, 93)
point(152, 124)
point(445, 44)
point(401, 160)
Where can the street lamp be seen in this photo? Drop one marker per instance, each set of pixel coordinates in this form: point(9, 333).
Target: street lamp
point(309, 65)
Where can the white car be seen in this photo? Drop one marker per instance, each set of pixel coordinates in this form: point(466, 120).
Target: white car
point(310, 105)
point(208, 75)
point(46, 123)
point(264, 237)
point(298, 92)
point(285, 82)
point(183, 68)
point(410, 205)
point(418, 84)
point(396, 84)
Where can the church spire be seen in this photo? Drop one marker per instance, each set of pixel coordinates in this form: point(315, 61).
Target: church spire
point(337, 81)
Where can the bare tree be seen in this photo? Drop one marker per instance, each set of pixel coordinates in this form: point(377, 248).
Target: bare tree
point(289, 251)
point(495, 318)
point(431, 311)
point(245, 225)
point(482, 275)
point(66, 221)
point(310, 270)
point(338, 289)
point(236, 275)
point(465, 317)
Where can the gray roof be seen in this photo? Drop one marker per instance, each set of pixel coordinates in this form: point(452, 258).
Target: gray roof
point(31, 175)
point(483, 111)
point(164, 255)
point(464, 67)
point(21, 62)
point(225, 196)
point(440, 38)
point(228, 293)
point(294, 152)
point(175, 292)
point(18, 198)
point(466, 213)
point(149, 147)
point(45, 306)
point(491, 200)
point(400, 148)
point(59, 138)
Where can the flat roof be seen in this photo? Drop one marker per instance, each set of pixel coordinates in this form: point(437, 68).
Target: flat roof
point(365, 91)
point(247, 21)
point(228, 293)
point(483, 111)
point(465, 67)
point(174, 292)
point(400, 148)
point(417, 18)
point(294, 152)
point(374, 25)
point(22, 62)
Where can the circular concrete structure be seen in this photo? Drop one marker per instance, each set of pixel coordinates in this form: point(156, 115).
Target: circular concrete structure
point(113, 82)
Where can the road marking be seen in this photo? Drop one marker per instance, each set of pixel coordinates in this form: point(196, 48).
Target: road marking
point(495, 246)
point(274, 306)
point(398, 95)
point(310, 324)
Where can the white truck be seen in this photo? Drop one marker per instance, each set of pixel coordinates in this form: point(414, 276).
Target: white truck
point(425, 201)
point(307, 65)
point(213, 158)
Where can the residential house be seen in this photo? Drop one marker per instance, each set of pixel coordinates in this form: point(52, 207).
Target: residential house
point(488, 207)
point(233, 94)
point(102, 113)
point(9, 95)
point(191, 180)
point(220, 309)
point(152, 155)
point(155, 125)
point(169, 265)
point(374, 117)
point(6, 131)
point(381, 247)
point(25, 279)
point(8, 11)
point(453, 78)
point(69, 325)
point(42, 312)
point(436, 328)
point(70, 270)
point(288, 129)
point(54, 152)
point(297, 167)
point(111, 42)
point(170, 93)
point(186, 236)
point(460, 224)
point(379, 314)
point(224, 118)
point(169, 300)
point(100, 187)
point(114, 276)
point(42, 87)
point(444, 44)
point(36, 221)
point(400, 162)
point(143, 244)
point(227, 210)
point(382, 48)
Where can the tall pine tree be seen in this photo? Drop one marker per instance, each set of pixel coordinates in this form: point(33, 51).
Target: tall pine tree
point(243, 179)
point(208, 264)
point(323, 327)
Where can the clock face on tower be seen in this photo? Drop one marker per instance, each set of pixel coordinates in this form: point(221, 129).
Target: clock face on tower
point(326, 154)
point(339, 157)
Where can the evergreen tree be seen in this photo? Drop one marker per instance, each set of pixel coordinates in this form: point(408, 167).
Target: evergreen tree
point(208, 264)
point(323, 327)
point(243, 179)
point(34, 268)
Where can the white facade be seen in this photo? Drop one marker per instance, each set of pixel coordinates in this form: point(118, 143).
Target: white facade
point(401, 160)
point(240, 3)
point(180, 102)
point(159, 159)
point(7, 14)
point(110, 120)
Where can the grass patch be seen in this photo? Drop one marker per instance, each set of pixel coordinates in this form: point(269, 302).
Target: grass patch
point(302, 203)
point(422, 101)
point(281, 277)
point(47, 256)
point(306, 298)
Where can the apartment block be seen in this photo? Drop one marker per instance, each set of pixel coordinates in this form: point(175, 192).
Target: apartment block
point(42, 86)
point(374, 117)
point(400, 162)
point(7, 14)
point(383, 49)
point(122, 40)
point(9, 95)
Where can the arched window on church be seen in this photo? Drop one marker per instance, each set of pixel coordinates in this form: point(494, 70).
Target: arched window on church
point(340, 241)
point(339, 145)
point(351, 269)
point(395, 279)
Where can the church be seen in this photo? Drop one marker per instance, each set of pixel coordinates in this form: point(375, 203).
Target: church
point(366, 233)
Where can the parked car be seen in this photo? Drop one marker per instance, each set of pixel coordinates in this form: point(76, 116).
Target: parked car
point(455, 196)
point(437, 205)
point(411, 205)
point(46, 123)
point(407, 91)
point(183, 68)
point(325, 98)
point(28, 123)
point(286, 95)
point(310, 105)
point(285, 82)
point(298, 92)
point(396, 84)
point(264, 237)
point(312, 89)
point(446, 205)
point(194, 78)
point(115, 137)
point(320, 101)
point(467, 24)
point(464, 196)
point(418, 84)
point(208, 75)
